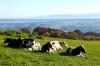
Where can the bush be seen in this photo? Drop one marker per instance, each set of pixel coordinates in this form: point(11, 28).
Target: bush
point(72, 35)
point(26, 30)
point(14, 33)
point(79, 34)
point(89, 38)
point(47, 34)
point(11, 32)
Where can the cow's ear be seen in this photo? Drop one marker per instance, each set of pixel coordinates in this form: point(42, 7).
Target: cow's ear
point(81, 45)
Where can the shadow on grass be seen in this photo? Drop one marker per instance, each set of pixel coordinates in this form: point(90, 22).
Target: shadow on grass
point(37, 51)
point(2, 45)
point(63, 54)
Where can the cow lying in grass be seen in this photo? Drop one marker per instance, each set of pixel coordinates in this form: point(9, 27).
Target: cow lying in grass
point(76, 51)
point(23, 43)
point(53, 46)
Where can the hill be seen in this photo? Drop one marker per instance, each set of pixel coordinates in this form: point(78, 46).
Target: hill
point(85, 25)
point(23, 57)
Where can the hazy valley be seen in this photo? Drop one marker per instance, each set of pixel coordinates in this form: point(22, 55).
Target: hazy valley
point(84, 25)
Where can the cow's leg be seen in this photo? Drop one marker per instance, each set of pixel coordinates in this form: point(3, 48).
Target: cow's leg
point(30, 49)
point(55, 50)
point(70, 51)
point(51, 50)
point(48, 50)
point(78, 55)
point(39, 48)
point(81, 55)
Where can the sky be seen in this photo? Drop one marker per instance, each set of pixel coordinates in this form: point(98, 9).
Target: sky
point(34, 8)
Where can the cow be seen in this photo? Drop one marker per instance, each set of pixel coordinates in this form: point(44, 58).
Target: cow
point(27, 43)
point(76, 51)
point(35, 46)
point(53, 46)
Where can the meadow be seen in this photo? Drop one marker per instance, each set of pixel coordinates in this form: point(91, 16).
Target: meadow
point(23, 57)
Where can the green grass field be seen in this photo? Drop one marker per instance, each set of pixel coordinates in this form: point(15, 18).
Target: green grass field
point(23, 57)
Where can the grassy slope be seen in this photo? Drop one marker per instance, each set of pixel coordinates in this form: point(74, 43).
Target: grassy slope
point(23, 57)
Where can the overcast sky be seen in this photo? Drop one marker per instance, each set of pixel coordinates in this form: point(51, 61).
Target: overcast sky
point(33, 8)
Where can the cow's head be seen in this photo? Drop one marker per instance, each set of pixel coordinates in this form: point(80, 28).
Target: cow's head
point(63, 43)
point(82, 48)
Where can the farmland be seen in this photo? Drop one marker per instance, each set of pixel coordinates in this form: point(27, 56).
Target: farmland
point(23, 57)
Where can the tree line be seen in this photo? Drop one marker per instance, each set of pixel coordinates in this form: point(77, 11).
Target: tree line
point(76, 34)
point(40, 32)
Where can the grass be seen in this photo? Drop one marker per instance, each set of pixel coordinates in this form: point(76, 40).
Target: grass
point(23, 57)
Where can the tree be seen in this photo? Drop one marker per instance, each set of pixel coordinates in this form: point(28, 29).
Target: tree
point(12, 32)
point(55, 33)
point(92, 34)
point(89, 38)
point(15, 33)
point(79, 33)
point(47, 34)
point(33, 35)
point(41, 30)
point(26, 30)
point(1, 32)
point(64, 35)
point(72, 35)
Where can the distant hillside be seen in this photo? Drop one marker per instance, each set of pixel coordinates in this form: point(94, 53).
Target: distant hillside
point(84, 25)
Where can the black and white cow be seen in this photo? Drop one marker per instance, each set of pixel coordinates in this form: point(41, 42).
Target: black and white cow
point(76, 51)
point(53, 46)
point(23, 43)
